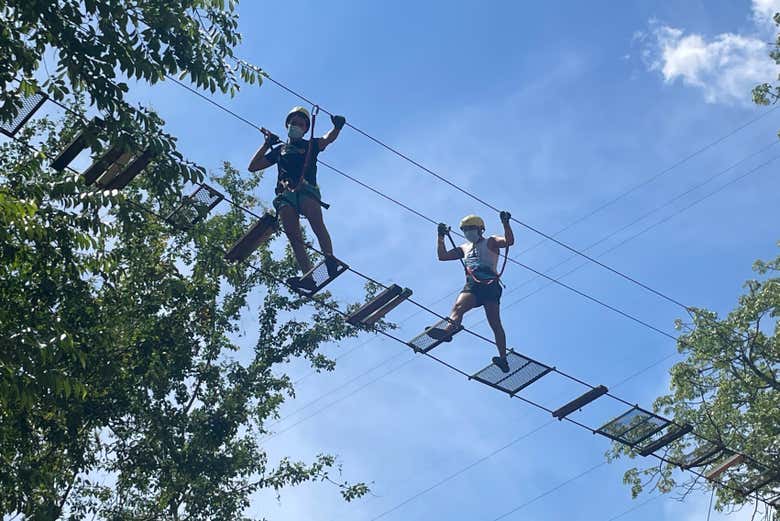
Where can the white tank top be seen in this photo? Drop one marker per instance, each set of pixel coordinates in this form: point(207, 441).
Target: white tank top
point(479, 258)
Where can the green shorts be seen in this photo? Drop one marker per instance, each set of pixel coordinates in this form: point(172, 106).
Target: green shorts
point(483, 292)
point(294, 199)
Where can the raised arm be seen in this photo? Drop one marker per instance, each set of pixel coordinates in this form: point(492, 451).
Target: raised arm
point(332, 134)
point(259, 161)
point(441, 250)
point(509, 237)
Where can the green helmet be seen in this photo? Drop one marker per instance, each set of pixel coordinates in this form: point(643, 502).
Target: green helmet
point(298, 110)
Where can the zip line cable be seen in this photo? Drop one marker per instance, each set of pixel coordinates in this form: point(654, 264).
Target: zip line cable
point(653, 225)
point(492, 341)
point(491, 454)
point(634, 508)
point(334, 308)
point(419, 214)
point(264, 74)
point(495, 209)
point(550, 491)
point(459, 472)
point(580, 266)
point(709, 508)
point(487, 339)
point(660, 174)
point(525, 266)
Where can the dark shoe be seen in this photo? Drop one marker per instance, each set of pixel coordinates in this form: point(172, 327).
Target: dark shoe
point(306, 284)
point(438, 333)
point(332, 264)
point(502, 363)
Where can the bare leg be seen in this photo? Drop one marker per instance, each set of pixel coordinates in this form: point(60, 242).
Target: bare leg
point(464, 303)
point(311, 209)
point(292, 228)
point(492, 312)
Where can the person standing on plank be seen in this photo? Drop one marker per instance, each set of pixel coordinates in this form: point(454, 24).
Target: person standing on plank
point(483, 287)
point(297, 192)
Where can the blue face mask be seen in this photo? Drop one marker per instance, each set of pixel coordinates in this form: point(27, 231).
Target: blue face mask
point(295, 132)
point(471, 235)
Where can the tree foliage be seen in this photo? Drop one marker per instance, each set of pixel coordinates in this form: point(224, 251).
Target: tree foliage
point(767, 93)
point(728, 385)
point(728, 389)
point(123, 391)
point(96, 47)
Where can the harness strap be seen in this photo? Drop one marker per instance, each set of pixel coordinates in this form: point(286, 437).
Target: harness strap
point(314, 111)
point(470, 272)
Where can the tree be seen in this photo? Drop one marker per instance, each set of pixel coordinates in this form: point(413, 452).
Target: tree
point(121, 394)
point(728, 386)
point(728, 389)
point(96, 46)
point(766, 93)
point(117, 333)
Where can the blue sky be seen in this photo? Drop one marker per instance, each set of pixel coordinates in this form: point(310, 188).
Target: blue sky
point(547, 110)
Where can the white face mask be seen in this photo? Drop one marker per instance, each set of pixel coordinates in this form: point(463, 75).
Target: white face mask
point(295, 132)
point(471, 235)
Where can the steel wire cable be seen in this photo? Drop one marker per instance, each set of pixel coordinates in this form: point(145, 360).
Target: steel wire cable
point(534, 229)
point(476, 334)
point(580, 266)
point(419, 214)
point(334, 308)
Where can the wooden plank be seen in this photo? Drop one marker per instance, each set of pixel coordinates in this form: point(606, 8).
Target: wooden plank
point(736, 459)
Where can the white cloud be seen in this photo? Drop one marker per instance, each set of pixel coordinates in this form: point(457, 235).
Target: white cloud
point(764, 11)
point(725, 68)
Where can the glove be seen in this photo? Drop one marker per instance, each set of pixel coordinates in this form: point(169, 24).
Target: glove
point(272, 139)
point(505, 216)
point(338, 121)
point(443, 229)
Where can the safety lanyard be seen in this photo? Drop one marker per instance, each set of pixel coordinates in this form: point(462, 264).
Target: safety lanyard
point(314, 111)
point(470, 273)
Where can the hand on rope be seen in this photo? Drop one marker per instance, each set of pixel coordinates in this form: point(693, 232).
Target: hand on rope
point(338, 121)
point(443, 229)
point(505, 217)
point(271, 139)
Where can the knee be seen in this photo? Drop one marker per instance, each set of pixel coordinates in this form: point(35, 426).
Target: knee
point(459, 308)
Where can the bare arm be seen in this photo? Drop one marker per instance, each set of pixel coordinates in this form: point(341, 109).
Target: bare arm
point(443, 254)
point(330, 137)
point(508, 239)
point(259, 161)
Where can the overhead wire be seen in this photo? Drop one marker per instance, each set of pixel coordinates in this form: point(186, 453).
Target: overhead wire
point(481, 336)
point(532, 229)
point(580, 266)
point(334, 308)
point(494, 452)
point(490, 341)
point(483, 202)
point(419, 214)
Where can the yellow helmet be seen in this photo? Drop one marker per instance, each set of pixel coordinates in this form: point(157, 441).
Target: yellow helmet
point(298, 110)
point(472, 220)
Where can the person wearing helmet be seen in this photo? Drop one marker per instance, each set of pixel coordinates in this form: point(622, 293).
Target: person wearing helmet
point(483, 288)
point(297, 192)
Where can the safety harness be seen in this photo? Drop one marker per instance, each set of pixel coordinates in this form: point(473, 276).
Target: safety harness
point(307, 160)
point(470, 272)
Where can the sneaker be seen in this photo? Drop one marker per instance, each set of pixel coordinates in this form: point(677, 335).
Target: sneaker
point(438, 333)
point(332, 264)
point(502, 363)
point(306, 284)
